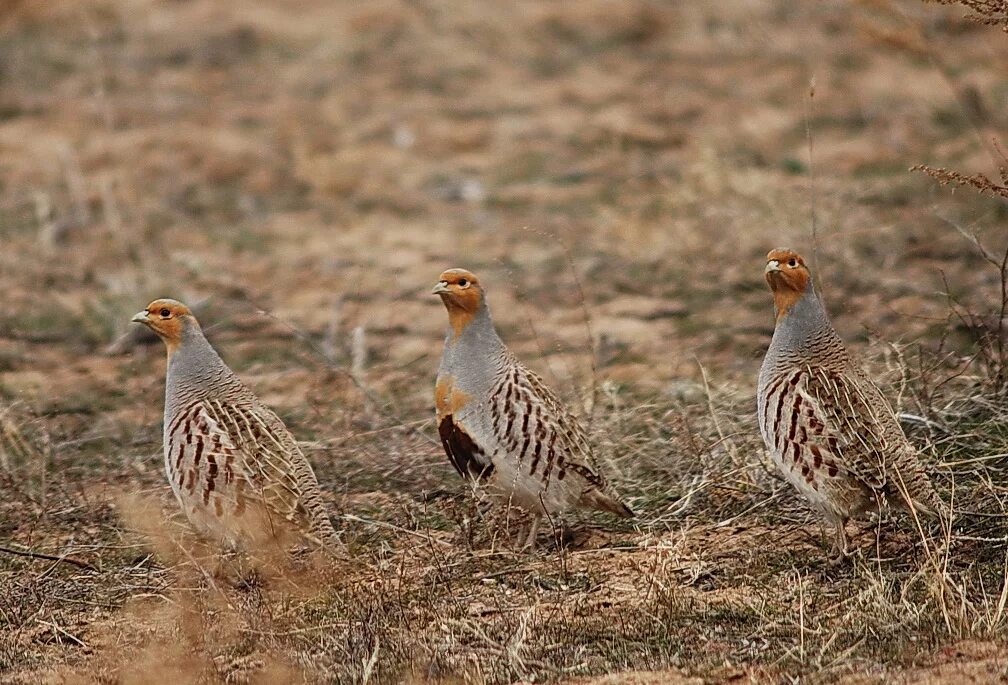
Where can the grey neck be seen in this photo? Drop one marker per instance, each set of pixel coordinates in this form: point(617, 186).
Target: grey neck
point(805, 327)
point(479, 334)
point(196, 372)
point(475, 356)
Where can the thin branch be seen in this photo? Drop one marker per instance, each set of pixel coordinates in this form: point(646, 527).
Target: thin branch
point(48, 557)
point(979, 181)
point(586, 316)
point(809, 109)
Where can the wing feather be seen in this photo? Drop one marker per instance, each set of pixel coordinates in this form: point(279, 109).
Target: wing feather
point(465, 455)
point(556, 435)
point(856, 422)
point(255, 449)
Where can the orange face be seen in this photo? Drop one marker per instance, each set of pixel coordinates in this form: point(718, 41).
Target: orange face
point(460, 289)
point(786, 270)
point(788, 278)
point(462, 295)
point(166, 318)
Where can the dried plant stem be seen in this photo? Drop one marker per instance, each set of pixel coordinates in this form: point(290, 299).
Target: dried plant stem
point(813, 218)
point(48, 557)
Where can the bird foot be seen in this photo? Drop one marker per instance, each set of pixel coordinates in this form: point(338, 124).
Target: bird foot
point(841, 545)
point(839, 557)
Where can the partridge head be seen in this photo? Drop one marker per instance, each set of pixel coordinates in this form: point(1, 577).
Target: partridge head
point(788, 278)
point(169, 319)
point(462, 295)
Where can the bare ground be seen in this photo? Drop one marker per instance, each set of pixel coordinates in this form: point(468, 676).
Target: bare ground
point(615, 171)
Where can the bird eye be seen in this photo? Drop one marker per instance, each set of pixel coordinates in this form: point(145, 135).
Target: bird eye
point(165, 312)
point(463, 283)
point(792, 262)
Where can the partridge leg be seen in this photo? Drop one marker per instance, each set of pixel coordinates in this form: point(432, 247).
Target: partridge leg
point(533, 532)
point(841, 545)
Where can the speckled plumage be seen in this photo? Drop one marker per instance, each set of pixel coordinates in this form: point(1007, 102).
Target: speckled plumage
point(235, 469)
point(825, 423)
point(500, 424)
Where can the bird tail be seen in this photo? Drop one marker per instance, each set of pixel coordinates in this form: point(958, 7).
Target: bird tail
point(943, 511)
point(602, 501)
point(929, 509)
point(933, 507)
point(917, 495)
point(321, 532)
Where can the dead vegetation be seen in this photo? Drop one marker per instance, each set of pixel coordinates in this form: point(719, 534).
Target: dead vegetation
point(987, 12)
point(305, 170)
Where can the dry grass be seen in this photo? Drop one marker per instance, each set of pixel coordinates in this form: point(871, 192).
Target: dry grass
point(986, 12)
point(322, 162)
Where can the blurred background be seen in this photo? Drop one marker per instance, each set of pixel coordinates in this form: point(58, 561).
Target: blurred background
point(326, 160)
point(614, 170)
